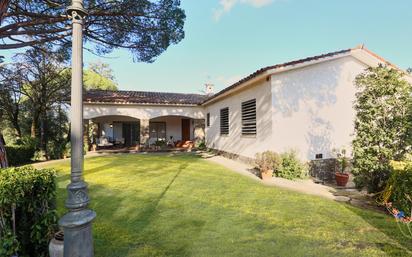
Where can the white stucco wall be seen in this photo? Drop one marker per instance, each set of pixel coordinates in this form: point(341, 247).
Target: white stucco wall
point(313, 107)
point(174, 126)
point(141, 111)
point(234, 142)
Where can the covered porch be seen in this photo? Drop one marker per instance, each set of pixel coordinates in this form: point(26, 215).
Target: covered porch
point(116, 132)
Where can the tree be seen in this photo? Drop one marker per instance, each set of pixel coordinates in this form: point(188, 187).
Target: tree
point(3, 155)
point(10, 95)
point(382, 126)
point(99, 75)
point(145, 27)
point(46, 85)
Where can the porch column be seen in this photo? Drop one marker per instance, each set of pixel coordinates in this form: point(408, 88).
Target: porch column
point(86, 139)
point(95, 135)
point(199, 130)
point(144, 131)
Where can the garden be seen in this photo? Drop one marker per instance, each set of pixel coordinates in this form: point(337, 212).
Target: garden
point(170, 204)
point(183, 205)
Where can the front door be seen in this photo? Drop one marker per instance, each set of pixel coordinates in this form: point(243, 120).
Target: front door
point(185, 129)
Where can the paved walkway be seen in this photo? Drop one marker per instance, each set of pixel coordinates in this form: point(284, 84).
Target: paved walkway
point(347, 194)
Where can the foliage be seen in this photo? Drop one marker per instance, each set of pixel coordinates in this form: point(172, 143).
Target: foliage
point(144, 27)
point(99, 76)
point(154, 201)
point(38, 83)
point(93, 80)
point(382, 125)
point(11, 96)
point(19, 154)
point(291, 167)
point(201, 145)
point(268, 161)
point(342, 159)
point(30, 195)
point(398, 190)
point(68, 148)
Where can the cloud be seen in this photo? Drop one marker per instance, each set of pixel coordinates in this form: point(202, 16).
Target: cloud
point(226, 6)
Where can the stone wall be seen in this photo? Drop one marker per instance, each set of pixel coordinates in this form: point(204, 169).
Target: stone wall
point(323, 169)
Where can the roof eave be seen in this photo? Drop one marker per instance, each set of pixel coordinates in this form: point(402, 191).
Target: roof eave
point(137, 104)
point(271, 72)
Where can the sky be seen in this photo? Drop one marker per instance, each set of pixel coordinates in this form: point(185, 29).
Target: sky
point(226, 40)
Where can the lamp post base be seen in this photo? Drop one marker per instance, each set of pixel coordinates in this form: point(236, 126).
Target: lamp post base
point(77, 227)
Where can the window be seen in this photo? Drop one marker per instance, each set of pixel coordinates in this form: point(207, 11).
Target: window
point(208, 119)
point(158, 130)
point(249, 117)
point(224, 121)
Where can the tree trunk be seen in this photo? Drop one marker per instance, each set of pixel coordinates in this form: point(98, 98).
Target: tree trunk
point(17, 129)
point(43, 136)
point(4, 5)
point(35, 124)
point(3, 155)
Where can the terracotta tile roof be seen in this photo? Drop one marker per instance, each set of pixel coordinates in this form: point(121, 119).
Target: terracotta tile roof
point(140, 97)
point(300, 61)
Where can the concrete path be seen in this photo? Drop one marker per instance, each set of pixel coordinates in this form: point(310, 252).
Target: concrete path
point(302, 186)
point(346, 194)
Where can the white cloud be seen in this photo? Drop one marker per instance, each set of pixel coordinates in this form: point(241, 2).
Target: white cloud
point(226, 6)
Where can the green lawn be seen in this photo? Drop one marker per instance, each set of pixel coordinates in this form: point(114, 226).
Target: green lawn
point(163, 205)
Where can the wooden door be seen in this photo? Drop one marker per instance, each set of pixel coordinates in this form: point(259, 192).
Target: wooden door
point(185, 129)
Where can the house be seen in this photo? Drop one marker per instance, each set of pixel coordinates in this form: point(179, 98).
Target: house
point(306, 105)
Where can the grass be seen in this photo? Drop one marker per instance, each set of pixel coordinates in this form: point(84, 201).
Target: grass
point(182, 205)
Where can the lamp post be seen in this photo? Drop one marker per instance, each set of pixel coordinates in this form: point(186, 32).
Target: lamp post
point(77, 222)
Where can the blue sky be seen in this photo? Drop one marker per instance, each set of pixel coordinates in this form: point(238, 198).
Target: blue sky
point(228, 39)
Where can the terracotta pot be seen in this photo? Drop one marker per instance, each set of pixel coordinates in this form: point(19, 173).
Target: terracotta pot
point(341, 178)
point(266, 175)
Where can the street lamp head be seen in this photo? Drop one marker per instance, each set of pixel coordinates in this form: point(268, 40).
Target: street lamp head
point(76, 9)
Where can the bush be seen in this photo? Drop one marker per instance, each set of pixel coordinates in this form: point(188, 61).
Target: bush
point(201, 145)
point(382, 125)
point(19, 154)
point(31, 193)
point(268, 160)
point(291, 167)
point(399, 186)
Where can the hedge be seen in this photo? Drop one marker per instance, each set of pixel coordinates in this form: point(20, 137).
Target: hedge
point(19, 154)
point(399, 186)
point(30, 194)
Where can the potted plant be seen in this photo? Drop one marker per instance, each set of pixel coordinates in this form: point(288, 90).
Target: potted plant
point(267, 162)
point(341, 176)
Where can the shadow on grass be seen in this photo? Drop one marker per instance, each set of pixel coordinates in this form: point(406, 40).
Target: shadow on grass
point(185, 209)
point(380, 222)
point(126, 233)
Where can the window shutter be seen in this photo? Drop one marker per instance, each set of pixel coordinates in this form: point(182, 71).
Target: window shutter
point(224, 121)
point(249, 117)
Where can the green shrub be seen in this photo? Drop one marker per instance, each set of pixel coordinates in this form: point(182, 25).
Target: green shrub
point(291, 167)
point(201, 145)
point(19, 154)
point(31, 194)
point(399, 186)
point(268, 160)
